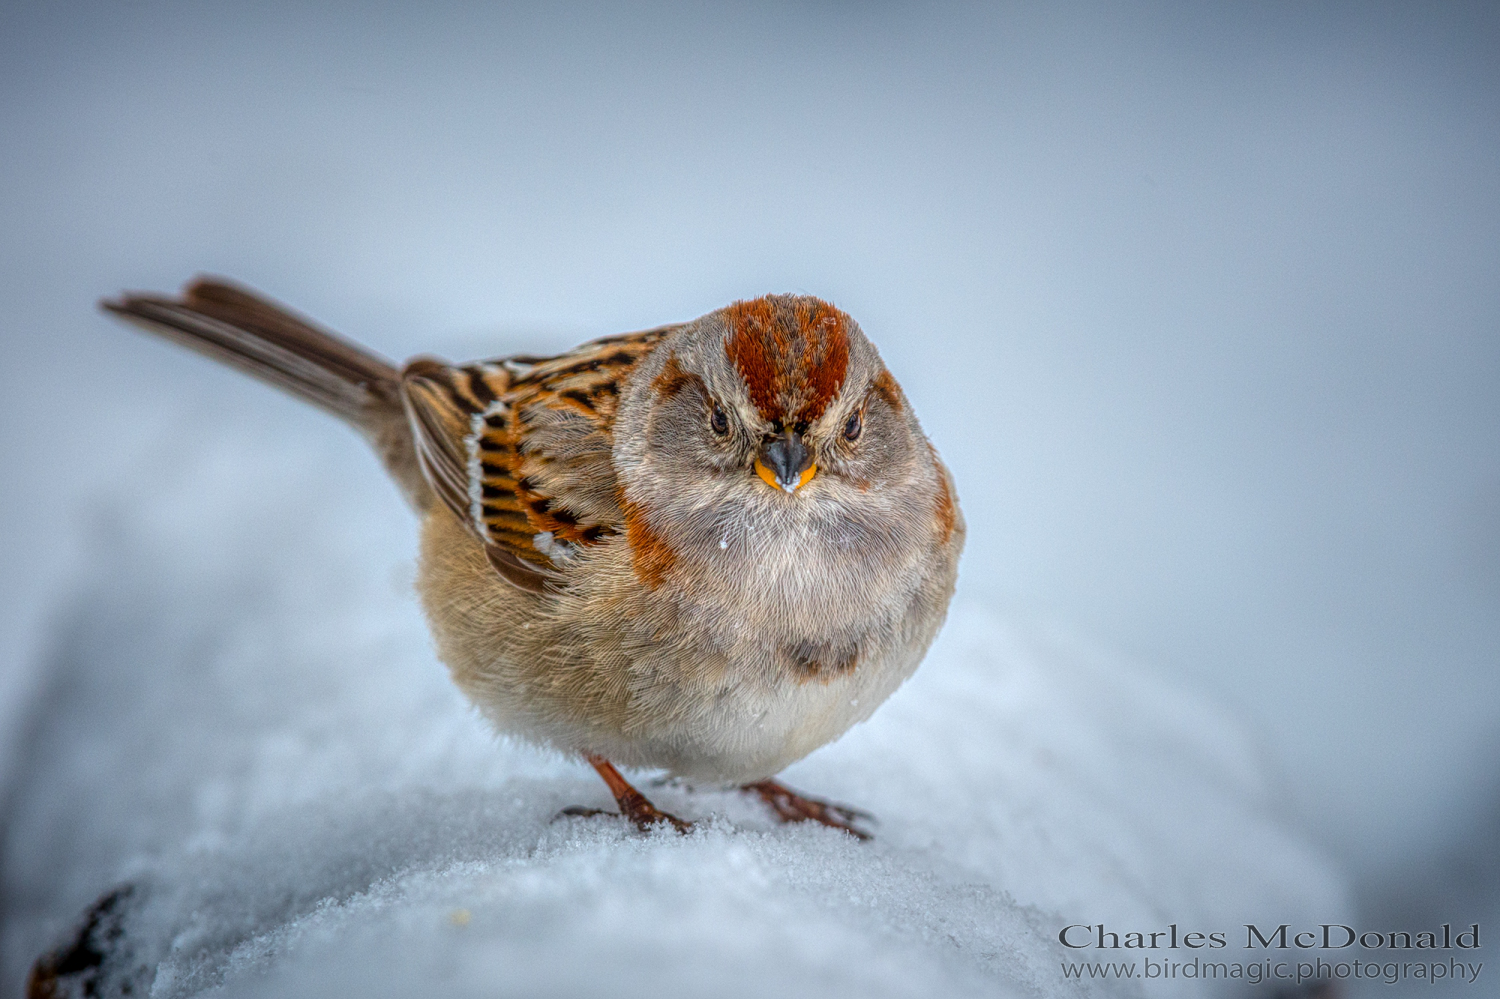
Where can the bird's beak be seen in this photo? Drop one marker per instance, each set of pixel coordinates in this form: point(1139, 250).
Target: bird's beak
point(785, 463)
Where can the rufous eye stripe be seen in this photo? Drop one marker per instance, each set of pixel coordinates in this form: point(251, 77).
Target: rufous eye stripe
point(885, 386)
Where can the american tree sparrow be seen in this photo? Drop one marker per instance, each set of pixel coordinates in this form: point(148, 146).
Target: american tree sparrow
point(708, 548)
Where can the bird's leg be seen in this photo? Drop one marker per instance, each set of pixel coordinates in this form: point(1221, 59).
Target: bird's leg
point(790, 806)
point(633, 804)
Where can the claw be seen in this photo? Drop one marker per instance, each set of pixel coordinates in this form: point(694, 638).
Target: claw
point(633, 804)
point(790, 806)
point(645, 815)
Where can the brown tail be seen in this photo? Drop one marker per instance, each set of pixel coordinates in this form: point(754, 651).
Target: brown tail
point(264, 339)
point(270, 342)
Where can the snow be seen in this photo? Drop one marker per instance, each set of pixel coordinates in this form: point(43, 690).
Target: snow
point(243, 719)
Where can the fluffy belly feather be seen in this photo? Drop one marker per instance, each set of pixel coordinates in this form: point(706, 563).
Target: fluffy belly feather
point(709, 703)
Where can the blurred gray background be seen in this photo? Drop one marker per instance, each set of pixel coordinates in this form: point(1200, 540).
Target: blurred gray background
point(1200, 304)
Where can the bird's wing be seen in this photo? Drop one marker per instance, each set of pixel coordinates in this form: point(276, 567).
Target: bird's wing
point(520, 449)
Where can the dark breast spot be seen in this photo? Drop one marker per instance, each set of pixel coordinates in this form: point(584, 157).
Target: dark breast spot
point(815, 661)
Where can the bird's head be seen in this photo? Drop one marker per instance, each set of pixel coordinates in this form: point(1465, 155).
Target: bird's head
point(770, 431)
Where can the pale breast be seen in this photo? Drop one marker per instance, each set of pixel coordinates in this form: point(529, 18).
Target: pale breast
point(648, 677)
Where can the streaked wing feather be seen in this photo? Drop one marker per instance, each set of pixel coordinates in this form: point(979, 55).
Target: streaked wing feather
point(438, 425)
point(520, 449)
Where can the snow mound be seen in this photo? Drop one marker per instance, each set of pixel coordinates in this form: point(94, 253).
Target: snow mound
point(244, 730)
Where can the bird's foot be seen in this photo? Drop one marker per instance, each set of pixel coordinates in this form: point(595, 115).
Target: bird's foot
point(644, 819)
point(790, 806)
point(633, 804)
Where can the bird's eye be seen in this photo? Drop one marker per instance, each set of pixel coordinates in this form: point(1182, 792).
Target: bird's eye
point(719, 421)
point(853, 427)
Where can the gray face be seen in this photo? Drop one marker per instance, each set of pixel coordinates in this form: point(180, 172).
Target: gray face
point(702, 416)
point(780, 484)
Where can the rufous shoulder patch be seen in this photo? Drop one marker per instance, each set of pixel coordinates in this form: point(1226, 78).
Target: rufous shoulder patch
point(793, 353)
point(650, 555)
point(947, 517)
